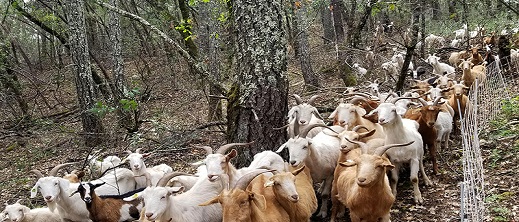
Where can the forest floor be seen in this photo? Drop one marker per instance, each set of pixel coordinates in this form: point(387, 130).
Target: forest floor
point(173, 115)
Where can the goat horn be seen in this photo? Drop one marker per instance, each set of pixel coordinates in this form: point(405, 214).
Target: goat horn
point(283, 127)
point(305, 131)
point(37, 173)
point(366, 95)
point(394, 100)
point(164, 180)
point(207, 149)
point(356, 128)
point(435, 103)
point(138, 150)
point(422, 101)
point(54, 170)
point(363, 146)
point(381, 150)
point(244, 181)
point(312, 100)
point(225, 147)
point(298, 99)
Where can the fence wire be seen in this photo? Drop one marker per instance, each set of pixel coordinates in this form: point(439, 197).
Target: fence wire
point(486, 98)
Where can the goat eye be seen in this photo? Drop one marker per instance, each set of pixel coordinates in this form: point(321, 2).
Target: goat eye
point(55, 183)
point(163, 197)
point(305, 147)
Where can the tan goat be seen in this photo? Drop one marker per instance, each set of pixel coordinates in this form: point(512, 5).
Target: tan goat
point(294, 191)
point(363, 185)
point(471, 73)
point(249, 200)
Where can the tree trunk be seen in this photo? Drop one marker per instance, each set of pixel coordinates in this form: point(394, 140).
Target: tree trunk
point(436, 11)
point(92, 125)
point(326, 21)
point(120, 87)
point(9, 81)
point(301, 40)
point(415, 28)
point(209, 49)
point(336, 9)
point(258, 101)
point(357, 33)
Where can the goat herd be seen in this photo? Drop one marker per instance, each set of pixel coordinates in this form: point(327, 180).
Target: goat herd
point(357, 162)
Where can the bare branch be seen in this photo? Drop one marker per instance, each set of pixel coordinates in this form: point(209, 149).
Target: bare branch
point(194, 63)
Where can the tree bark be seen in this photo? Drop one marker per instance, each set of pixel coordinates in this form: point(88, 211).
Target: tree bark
point(336, 8)
point(301, 40)
point(326, 21)
point(258, 101)
point(120, 86)
point(209, 50)
point(9, 81)
point(417, 10)
point(92, 125)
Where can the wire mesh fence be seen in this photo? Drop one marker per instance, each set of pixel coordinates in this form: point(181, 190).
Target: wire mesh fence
point(487, 98)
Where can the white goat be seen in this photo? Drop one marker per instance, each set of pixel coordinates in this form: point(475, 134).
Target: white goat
point(461, 33)
point(320, 155)
point(20, 213)
point(302, 115)
point(138, 167)
point(162, 205)
point(100, 167)
point(360, 70)
point(434, 41)
point(56, 191)
point(439, 68)
point(399, 130)
point(218, 163)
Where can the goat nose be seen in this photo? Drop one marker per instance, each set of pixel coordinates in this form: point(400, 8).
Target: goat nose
point(381, 120)
point(342, 122)
point(48, 197)
point(148, 215)
point(293, 162)
point(295, 197)
point(302, 121)
point(344, 146)
point(361, 179)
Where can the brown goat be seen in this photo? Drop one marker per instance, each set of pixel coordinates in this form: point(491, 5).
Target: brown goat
point(476, 58)
point(426, 117)
point(109, 208)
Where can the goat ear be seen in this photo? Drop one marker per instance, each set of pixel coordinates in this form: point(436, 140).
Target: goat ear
point(198, 163)
point(34, 190)
point(231, 155)
point(174, 190)
point(269, 183)
point(133, 197)
point(281, 147)
point(309, 141)
point(348, 163)
point(259, 200)
point(367, 134)
point(388, 166)
point(213, 200)
point(297, 171)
